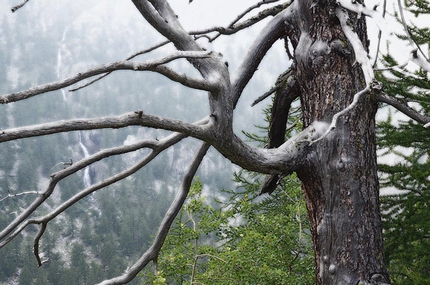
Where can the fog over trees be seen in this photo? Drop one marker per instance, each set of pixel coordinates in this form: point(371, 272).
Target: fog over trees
point(335, 77)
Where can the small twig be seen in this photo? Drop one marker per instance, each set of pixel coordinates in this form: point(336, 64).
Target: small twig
point(234, 28)
point(19, 6)
point(247, 11)
point(62, 163)
point(265, 95)
point(9, 195)
point(384, 8)
point(405, 26)
point(128, 58)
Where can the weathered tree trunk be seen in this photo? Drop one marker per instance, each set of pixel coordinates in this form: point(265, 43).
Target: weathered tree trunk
point(340, 175)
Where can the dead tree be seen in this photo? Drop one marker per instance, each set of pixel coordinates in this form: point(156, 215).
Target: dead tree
point(334, 156)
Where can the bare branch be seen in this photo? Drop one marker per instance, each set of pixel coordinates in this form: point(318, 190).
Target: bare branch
point(169, 217)
point(10, 195)
point(19, 6)
point(285, 79)
point(412, 42)
point(36, 244)
point(384, 10)
point(156, 146)
point(153, 65)
point(271, 33)
point(137, 118)
point(160, 15)
point(128, 58)
point(404, 108)
point(233, 28)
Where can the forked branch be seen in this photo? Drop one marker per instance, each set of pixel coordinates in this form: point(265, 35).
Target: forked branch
point(20, 222)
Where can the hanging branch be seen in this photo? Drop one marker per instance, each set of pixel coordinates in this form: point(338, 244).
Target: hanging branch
point(270, 34)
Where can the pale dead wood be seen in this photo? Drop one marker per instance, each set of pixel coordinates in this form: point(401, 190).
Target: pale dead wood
point(12, 195)
point(136, 118)
point(20, 222)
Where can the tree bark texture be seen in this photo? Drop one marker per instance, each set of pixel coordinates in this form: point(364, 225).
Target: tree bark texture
point(339, 177)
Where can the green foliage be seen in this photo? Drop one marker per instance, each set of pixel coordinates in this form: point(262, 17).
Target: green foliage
point(247, 239)
point(405, 215)
point(406, 223)
point(267, 240)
